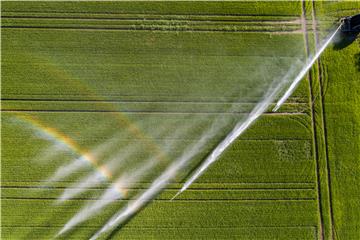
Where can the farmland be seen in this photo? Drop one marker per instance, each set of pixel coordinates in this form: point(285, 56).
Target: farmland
point(88, 69)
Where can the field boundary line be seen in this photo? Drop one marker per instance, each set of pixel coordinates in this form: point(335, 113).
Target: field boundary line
point(136, 101)
point(151, 29)
point(159, 227)
point(323, 124)
point(313, 123)
point(174, 200)
point(242, 183)
point(150, 14)
point(167, 189)
point(240, 139)
point(148, 18)
point(148, 112)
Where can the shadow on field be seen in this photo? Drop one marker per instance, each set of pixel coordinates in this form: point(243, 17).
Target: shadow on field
point(344, 40)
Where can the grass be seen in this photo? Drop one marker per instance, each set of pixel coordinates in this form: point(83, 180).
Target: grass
point(198, 74)
point(292, 175)
point(342, 126)
point(283, 8)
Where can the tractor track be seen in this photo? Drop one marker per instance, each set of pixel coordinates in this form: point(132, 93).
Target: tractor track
point(160, 28)
point(313, 123)
point(144, 22)
point(162, 19)
point(145, 112)
point(323, 124)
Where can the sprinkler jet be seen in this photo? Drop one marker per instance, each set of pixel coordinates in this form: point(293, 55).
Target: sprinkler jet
point(351, 25)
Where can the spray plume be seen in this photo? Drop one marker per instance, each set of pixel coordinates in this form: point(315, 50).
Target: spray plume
point(121, 185)
point(305, 69)
point(257, 111)
point(173, 169)
point(157, 185)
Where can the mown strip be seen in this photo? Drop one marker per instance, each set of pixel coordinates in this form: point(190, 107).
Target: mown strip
point(148, 24)
point(280, 8)
point(265, 19)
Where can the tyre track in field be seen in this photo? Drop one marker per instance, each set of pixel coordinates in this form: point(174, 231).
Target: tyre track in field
point(307, 193)
point(18, 193)
point(148, 111)
point(323, 126)
point(171, 189)
point(149, 14)
point(167, 200)
point(313, 123)
point(319, 146)
point(153, 22)
point(162, 29)
point(145, 18)
point(138, 101)
point(243, 185)
point(162, 227)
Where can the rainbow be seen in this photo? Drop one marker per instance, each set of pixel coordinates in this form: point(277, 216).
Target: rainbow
point(60, 137)
point(132, 128)
point(79, 84)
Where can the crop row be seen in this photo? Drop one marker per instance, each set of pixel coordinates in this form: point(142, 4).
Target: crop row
point(165, 107)
point(191, 194)
point(167, 25)
point(280, 155)
point(340, 74)
point(281, 8)
point(198, 68)
point(182, 214)
point(139, 233)
point(175, 186)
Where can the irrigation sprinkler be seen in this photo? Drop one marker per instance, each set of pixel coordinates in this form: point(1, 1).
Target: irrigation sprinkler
point(351, 24)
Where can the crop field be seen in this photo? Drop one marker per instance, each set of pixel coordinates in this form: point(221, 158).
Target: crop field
point(85, 69)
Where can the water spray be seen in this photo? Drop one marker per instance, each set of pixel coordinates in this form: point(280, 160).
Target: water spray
point(258, 110)
point(308, 64)
point(349, 25)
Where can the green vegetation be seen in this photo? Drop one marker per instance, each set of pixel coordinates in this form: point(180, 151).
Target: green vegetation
point(261, 8)
point(340, 74)
point(78, 66)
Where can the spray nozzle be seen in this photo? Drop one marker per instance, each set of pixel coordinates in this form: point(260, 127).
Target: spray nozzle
point(351, 24)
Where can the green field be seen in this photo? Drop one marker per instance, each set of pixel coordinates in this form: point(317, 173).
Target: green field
point(89, 68)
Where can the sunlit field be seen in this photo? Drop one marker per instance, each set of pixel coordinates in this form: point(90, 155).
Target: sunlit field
point(179, 120)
